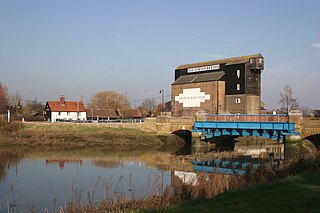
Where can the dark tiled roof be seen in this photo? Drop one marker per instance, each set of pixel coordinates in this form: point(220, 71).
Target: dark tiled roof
point(113, 113)
point(132, 113)
point(227, 61)
point(187, 79)
point(102, 113)
point(68, 106)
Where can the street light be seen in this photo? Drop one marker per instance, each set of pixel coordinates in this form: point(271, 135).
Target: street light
point(162, 93)
point(8, 115)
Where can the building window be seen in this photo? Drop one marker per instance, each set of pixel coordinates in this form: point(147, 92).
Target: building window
point(238, 100)
point(238, 87)
point(59, 113)
point(238, 73)
point(68, 113)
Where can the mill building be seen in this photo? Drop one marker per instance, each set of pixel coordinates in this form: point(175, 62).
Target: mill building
point(226, 86)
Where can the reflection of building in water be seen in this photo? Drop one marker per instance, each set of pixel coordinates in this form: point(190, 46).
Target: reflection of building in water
point(179, 178)
point(273, 151)
point(187, 177)
point(61, 163)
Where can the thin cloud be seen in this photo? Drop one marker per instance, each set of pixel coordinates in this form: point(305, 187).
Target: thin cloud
point(316, 45)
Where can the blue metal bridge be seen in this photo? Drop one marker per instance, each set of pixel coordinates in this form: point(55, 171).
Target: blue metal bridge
point(267, 126)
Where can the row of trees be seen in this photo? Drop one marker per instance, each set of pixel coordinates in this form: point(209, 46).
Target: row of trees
point(101, 100)
point(30, 110)
point(115, 100)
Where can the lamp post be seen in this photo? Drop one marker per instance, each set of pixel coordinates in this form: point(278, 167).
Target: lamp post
point(162, 98)
point(8, 115)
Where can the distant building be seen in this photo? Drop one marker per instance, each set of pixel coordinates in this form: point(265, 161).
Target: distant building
point(230, 86)
point(65, 110)
point(129, 113)
point(102, 114)
point(112, 114)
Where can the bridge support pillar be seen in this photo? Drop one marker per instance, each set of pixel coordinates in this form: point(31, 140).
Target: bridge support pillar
point(197, 140)
point(292, 139)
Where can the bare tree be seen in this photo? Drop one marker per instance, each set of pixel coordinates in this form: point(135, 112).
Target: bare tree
point(147, 107)
point(4, 99)
point(33, 110)
point(109, 100)
point(287, 101)
point(305, 110)
point(158, 109)
point(15, 103)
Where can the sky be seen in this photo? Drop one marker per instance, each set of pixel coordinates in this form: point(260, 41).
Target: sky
point(81, 47)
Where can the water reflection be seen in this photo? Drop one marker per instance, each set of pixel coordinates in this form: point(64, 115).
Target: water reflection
point(7, 160)
point(62, 163)
point(39, 177)
point(263, 150)
point(68, 176)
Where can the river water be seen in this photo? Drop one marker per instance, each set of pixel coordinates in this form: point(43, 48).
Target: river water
point(48, 179)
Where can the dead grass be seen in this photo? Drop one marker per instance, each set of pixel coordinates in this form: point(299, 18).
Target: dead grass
point(75, 135)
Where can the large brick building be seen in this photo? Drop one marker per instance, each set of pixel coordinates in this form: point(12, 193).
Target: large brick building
point(230, 86)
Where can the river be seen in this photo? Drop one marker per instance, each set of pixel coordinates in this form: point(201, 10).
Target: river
point(49, 179)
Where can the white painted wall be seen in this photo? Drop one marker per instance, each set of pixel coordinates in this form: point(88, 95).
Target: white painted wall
point(68, 116)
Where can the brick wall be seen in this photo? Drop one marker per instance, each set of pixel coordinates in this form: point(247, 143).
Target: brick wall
point(216, 104)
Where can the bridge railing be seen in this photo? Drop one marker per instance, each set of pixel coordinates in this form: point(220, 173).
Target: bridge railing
point(247, 118)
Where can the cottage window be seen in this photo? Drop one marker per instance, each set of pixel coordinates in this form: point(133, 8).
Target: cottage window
point(238, 87)
point(68, 113)
point(238, 73)
point(59, 113)
point(238, 100)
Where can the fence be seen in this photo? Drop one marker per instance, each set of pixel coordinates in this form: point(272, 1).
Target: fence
point(247, 118)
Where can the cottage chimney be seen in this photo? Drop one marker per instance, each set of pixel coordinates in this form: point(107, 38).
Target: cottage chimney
point(62, 100)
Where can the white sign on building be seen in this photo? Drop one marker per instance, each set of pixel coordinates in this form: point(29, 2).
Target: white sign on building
point(192, 97)
point(204, 68)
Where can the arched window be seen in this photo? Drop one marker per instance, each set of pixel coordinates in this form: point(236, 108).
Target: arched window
point(238, 100)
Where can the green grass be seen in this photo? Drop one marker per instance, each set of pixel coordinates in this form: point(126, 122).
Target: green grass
point(299, 193)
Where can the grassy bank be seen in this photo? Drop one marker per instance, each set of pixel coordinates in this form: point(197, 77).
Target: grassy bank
point(294, 187)
point(298, 193)
point(75, 135)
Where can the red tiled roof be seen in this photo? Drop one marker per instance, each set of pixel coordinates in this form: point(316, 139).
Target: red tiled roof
point(68, 106)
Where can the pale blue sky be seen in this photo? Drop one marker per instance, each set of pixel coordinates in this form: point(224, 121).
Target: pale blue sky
point(48, 48)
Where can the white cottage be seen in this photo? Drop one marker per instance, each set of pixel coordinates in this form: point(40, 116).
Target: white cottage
point(65, 110)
